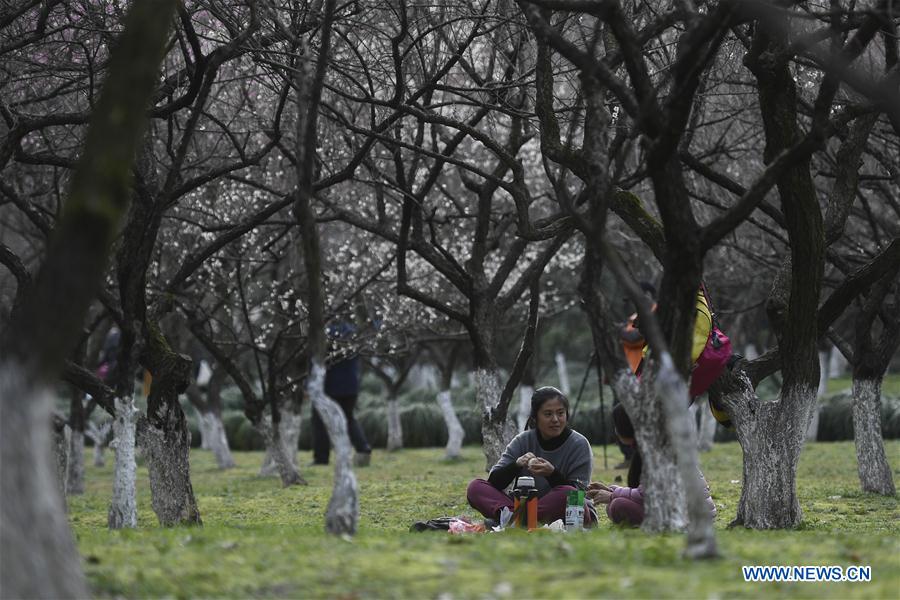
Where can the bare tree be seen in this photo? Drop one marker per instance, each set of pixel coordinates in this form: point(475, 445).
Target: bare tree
point(35, 536)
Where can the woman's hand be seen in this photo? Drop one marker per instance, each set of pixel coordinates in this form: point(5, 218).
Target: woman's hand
point(599, 485)
point(522, 461)
point(541, 466)
point(599, 496)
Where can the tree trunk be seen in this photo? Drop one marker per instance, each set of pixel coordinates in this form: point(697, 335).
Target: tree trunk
point(672, 391)
point(213, 432)
point(562, 372)
point(525, 393)
point(169, 465)
point(40, 559)
point(61, 452)
point(812, 431)
point(75, 463)
point(496, 435)
point(343, 507)
point(203, 425)
point(874, 471)
point(664, 499)
point(706, 430)
point(455, 432)
point(289, 428)
point(164, 435)
point(282, 455)
point(123, 507)
point(394, 426)
point(771, 435)
point(98, 435)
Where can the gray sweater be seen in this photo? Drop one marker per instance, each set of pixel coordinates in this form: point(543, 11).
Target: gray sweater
point(572, 460)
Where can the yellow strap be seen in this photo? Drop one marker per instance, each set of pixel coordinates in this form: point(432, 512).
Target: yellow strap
point(702, 326)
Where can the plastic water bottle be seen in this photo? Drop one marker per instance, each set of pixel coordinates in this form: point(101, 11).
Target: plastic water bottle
point(575, 510)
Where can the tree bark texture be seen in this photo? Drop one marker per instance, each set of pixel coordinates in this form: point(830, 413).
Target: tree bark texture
point(525, 393)
point(61, 452)
point(123, 507)
point(283, 456)
point(671, 389)
point(99, 435)
point(40, 559)
point(664, 501)
point(455, 432)
point(289, 425)
point(342, 516)
point(394, 425)
point(164, 435)
point(706, 429)
point(771, 435)
point(496, 435)
point(75, 463)
point(213, 432)
point(168, 462)
point(812, 431)
point(562, 371)
point(874, 471)
point(39, 556)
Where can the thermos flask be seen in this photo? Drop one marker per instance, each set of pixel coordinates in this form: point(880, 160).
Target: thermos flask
point(525, 493)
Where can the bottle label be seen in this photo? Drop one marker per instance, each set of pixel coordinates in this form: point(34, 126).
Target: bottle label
point(574, 517)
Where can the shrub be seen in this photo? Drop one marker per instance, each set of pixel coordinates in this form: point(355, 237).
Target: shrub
point(248, 438)
point(836, 418)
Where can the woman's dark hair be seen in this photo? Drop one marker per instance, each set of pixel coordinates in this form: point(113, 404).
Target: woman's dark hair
point(541, 395)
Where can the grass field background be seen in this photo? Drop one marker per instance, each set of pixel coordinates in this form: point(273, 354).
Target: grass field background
point(259, 540)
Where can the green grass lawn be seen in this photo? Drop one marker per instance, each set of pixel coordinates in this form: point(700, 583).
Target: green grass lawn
point(259, 540)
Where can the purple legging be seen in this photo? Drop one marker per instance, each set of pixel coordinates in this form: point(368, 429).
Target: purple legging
point(488, 500)
point(625, 510)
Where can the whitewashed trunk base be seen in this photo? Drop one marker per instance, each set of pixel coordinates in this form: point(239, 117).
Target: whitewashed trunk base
point(771, 435)
point(671, 391)
point(342, 517)
point(874, 471)
point(455, 432)
point(40, 559)
point(394, 426)
point(496, 436)
point(525, 393)
point(98, 435)
point(214, 439)
point(123, 506)
point(281, 454)
point(562, 372)
point(169, 466)
point(61, 451)
point(99, 459)
point(706, 431)
point(75, 464)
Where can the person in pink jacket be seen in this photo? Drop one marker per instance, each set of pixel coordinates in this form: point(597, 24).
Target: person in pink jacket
point(625, 504)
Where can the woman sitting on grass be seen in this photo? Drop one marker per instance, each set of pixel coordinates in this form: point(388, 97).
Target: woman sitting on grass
point(558, 458)
point(626, 504)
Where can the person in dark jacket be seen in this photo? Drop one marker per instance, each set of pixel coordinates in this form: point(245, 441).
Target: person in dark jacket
point(342, 380)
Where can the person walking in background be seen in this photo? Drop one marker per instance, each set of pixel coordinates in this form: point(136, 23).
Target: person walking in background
point(342, 380)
